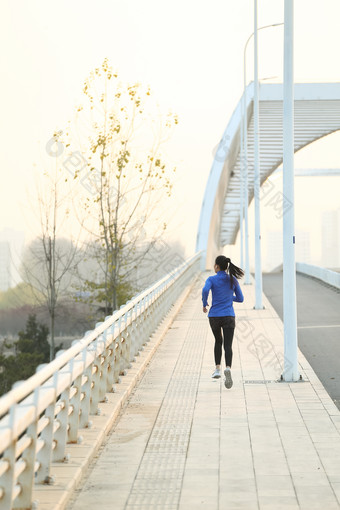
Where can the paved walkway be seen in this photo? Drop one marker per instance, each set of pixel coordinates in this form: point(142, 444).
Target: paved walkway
point(185, 442)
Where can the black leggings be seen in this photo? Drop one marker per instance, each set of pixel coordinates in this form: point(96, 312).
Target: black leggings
point(227, 324)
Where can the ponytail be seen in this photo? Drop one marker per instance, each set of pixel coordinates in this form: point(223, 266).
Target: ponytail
point(234, 271)
point(226, 265)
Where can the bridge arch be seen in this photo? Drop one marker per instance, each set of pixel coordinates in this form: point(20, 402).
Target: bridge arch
point(317, 114)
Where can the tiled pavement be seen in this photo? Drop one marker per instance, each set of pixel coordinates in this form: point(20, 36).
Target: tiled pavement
point(186, 442)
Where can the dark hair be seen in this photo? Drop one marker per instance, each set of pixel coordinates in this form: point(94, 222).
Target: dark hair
point(225, 264)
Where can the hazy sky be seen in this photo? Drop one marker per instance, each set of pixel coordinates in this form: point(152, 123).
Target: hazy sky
point(189, 52)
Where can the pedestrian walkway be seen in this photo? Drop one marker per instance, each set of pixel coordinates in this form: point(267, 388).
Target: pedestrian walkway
point(184, 442)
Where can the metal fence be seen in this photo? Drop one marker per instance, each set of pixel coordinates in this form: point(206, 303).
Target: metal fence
point(38, 417)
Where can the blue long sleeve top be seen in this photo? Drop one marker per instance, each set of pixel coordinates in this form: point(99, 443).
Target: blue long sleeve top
point(222, 295)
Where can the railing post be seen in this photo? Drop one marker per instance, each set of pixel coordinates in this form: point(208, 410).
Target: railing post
point(86, 390)
point(137, 331)
point(110, 364)
point(149, 316)
point(129, 346)
point(45, 453)
point(121, 339)
point(109, 359)
point(104, 371)
point(9, 456)
point(124, 344)
point(144, 331)
point(26, 479)
point(60, 436)
point(135, 346)
point(75, 404)
point(117, 352)
point(115, 360)
point(96, 365)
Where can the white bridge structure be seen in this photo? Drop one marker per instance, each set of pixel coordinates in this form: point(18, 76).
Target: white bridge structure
point(317, 114)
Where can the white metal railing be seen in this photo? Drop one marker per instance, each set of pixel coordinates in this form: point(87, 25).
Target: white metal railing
point(38, 417)
point(321, 273)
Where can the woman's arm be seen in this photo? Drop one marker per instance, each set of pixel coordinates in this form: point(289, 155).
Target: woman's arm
point(238, 297)
point(205, 293)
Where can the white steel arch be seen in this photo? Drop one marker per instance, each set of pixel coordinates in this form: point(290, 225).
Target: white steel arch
point(317, 114)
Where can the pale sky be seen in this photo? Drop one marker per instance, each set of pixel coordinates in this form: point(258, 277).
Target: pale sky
point(190, 52)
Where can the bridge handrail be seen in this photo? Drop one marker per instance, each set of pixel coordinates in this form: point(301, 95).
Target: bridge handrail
point(21, 391)
point(39, 416)
point(321, 273)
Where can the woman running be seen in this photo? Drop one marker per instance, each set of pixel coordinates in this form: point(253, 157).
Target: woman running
point(225, 289)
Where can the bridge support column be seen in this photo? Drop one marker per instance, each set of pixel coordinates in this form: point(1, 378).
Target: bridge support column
point(291, 372)
point(258, 267)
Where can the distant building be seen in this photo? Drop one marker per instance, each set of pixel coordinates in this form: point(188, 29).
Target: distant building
point(331, 239)
point(5, 266)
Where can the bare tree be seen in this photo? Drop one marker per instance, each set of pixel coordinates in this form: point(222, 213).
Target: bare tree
point(123, 179)
point(49, 262)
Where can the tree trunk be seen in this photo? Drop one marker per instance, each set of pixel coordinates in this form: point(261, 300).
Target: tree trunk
point(52, 345)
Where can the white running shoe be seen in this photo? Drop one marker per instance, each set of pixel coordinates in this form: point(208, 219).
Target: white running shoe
point(228, 380)
point(216, 374)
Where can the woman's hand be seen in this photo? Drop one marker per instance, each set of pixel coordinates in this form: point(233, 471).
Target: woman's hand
point(205, 309)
